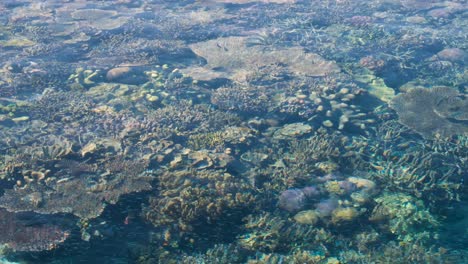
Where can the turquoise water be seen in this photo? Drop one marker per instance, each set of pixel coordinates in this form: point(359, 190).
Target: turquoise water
point(269, 131)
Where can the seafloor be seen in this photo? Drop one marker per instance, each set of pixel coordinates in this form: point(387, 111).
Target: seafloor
point(216, 131)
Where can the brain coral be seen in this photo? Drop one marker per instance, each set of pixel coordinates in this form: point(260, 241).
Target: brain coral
point(439, 111)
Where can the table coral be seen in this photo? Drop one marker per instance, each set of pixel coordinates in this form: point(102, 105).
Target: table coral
point(432, 112)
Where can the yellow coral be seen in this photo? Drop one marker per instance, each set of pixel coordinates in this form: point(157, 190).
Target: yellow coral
point(334, 187)
point(362, 183)
point(344, 214)
point(308, 217)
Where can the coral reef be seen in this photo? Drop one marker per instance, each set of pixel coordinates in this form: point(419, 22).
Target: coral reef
point(237, 59)
point(248, 99)
point(19, 235)
point(269, 233)
point(189, 197)
point(404, 216)
point(268, 131)
point(434, 112)
point(84, 191)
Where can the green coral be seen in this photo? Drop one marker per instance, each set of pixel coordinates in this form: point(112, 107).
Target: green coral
point(270, 233)
point(404, 216)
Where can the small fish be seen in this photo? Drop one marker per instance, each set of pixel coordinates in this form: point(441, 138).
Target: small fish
point(127, 220)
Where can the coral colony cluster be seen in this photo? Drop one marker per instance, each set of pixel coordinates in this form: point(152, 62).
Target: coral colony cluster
point(220, 131)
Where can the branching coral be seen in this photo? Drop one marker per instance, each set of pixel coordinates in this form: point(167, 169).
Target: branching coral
point(248, 99)
point(407, 252)
point(269, 233)
point(188, 197)
point(404, 216)
point(188, 118)
point(319, 154)
point(431, 175)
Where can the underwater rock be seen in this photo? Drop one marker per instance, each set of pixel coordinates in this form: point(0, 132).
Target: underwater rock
point(85, 196)
point(126, 75)
point(116, 73)
point(364, 185)
point(432, 112)
point(340, 187)
point(451, 54)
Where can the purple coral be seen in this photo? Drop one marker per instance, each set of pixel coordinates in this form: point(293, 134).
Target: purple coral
point(292, 200)
point(326, 207)
point(311, 191)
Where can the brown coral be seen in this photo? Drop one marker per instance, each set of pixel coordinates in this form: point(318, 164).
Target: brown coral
point(189, 196)
point(20, 236)
point(439, 111)
point(83, 196)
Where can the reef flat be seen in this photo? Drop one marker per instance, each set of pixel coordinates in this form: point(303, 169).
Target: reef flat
point(216, 131)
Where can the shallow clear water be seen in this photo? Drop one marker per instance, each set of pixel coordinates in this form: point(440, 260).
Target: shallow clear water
point(218, 131)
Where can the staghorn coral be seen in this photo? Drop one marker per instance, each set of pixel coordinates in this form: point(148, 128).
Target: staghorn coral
point(188, 118)
point(404, 162)
point(188, 197)
point(219, 140)
point(321, 153)
point(244, 98)
point(56, 106)
point(434, 112)
point(430, 175)
point(220, 253)
point(269, 233)
point(392, 252)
